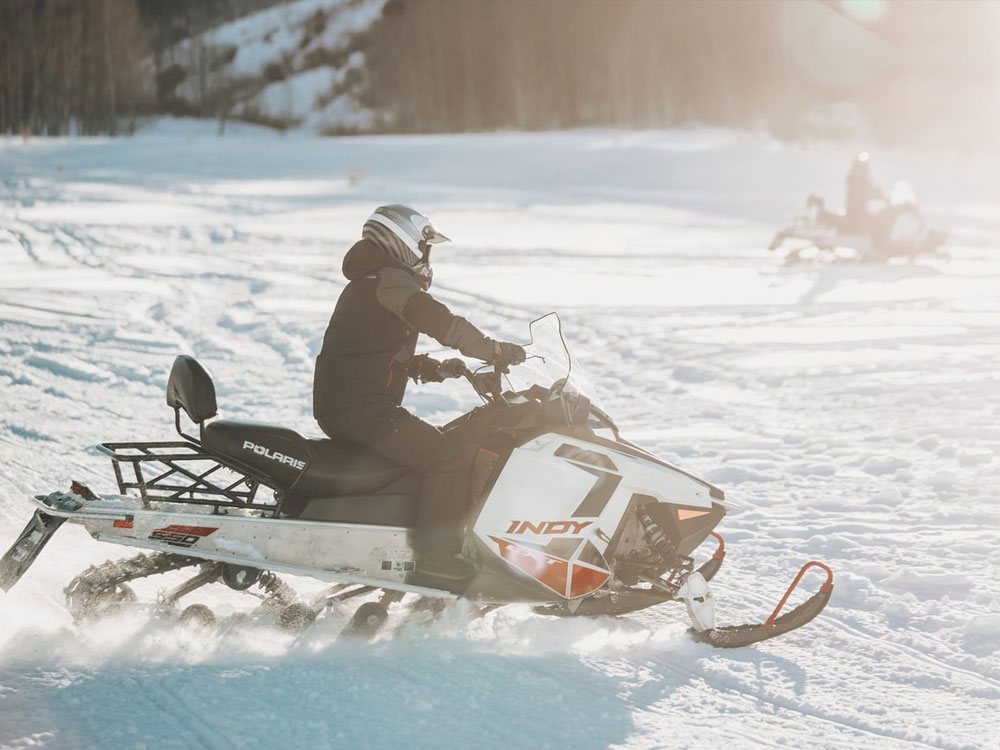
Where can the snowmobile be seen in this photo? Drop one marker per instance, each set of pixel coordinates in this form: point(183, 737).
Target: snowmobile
point(565, 514)
point(893, 227)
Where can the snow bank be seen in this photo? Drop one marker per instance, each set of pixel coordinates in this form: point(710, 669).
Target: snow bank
point(847, 409)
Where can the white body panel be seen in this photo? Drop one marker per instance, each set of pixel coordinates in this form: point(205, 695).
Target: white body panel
point(342, 553)
point(550, 516)
point(538, 500)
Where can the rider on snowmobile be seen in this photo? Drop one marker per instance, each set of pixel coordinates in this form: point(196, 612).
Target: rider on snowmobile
point(861, 190)
point(367, 355)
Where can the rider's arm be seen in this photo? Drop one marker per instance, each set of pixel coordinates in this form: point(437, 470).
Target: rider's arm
point(398, 292)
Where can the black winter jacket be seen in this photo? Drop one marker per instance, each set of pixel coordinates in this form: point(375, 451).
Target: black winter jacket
point(373, 332)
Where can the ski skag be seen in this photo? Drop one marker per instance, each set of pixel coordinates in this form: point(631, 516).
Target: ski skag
point(564, 514)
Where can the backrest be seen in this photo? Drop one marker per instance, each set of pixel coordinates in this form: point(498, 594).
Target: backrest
point(190, 388)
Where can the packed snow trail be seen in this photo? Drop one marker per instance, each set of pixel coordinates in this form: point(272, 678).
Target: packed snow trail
point(850, 410)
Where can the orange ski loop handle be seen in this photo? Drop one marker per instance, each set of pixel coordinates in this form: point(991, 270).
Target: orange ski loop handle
point(711, 567)
point(720, 551)
point(825, 588)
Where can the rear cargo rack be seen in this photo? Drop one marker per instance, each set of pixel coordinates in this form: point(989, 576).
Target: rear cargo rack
point(179, 471)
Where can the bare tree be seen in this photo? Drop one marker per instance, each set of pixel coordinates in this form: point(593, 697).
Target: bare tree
point(68, 64)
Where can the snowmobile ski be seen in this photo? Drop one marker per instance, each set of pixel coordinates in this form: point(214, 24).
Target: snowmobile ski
point(734, 636)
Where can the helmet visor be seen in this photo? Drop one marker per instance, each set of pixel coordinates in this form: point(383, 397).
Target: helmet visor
point(430, 235)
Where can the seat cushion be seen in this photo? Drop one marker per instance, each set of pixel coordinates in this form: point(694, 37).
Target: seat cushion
point(306, 467)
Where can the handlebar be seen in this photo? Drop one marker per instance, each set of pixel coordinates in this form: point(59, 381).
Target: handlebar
point(486, 384)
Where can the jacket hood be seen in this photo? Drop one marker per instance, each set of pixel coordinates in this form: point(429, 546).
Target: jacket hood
point(366, 257)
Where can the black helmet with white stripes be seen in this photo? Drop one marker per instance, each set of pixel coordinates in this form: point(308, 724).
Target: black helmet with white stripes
point(403, 232)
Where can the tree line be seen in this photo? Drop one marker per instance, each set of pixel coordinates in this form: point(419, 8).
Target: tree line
point(440, 65)
point(89, 66)
point(71, 66)
point(94, 66)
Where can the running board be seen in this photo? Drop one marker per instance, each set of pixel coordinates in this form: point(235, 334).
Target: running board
point(351, 576)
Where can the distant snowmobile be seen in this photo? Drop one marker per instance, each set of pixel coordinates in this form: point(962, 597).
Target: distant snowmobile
point(892, 228)
point(565, 514)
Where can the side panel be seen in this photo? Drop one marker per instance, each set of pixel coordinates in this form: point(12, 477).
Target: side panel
point(329, 551)
point(550, 515)
point(370, 552)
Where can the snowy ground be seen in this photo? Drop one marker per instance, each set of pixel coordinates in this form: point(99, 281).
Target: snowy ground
point(852, 410)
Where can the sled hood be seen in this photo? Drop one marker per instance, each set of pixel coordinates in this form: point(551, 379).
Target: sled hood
point(365, 257)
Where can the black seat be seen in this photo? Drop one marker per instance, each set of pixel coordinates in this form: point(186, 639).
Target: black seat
point(324, 480)
point(305, 467)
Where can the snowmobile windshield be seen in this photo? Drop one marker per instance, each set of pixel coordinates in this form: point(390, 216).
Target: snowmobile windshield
point(549, 362)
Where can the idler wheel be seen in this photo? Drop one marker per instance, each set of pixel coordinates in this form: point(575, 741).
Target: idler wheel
point(368, 618)
point(84, 604)
point(296, 617)
point(198, 614)
point(110, 602)
point(239, 577)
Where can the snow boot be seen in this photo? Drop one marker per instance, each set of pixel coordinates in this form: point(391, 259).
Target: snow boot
point(445, 567)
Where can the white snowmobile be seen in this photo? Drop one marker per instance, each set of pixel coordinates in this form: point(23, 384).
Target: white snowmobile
point(564, 513)
point(893, 227)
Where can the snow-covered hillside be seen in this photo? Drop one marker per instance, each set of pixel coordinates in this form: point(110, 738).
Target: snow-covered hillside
point(293, 65)
point(851, 410)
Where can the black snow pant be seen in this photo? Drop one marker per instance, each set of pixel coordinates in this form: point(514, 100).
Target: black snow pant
point(395, 433)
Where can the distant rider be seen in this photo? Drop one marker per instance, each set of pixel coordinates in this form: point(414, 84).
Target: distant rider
point(861, 190)
point(367, 356)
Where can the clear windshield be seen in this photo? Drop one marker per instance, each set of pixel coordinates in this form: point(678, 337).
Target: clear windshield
point(549, 362)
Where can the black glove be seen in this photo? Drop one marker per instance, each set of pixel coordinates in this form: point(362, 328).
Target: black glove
point(506, 354)
point(423, 369)
point(452, 368)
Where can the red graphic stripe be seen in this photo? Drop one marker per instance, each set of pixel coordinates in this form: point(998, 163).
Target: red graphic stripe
point(586, 580)
point(191, 530)
point(549, 571)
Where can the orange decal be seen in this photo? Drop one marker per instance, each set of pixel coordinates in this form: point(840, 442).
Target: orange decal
point(549, 571)
point(552, 571)
point(684, 514)
point(586, 580)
